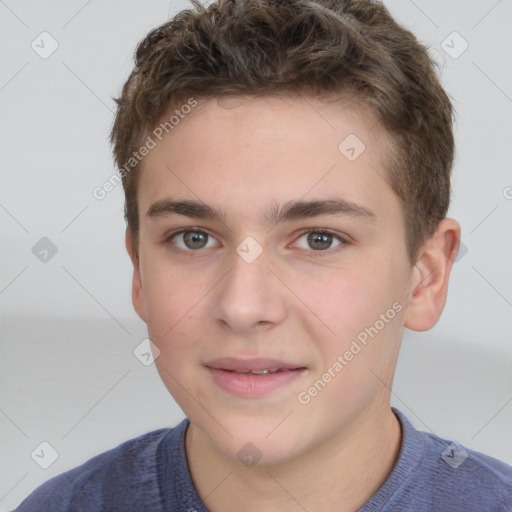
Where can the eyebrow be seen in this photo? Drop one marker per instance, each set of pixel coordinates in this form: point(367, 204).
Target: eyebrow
point(277, 213)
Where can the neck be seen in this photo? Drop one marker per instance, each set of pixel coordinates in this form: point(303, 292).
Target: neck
point(340, 475)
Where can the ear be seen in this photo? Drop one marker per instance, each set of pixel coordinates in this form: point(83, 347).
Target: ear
point(137, 293)
point(430, 275)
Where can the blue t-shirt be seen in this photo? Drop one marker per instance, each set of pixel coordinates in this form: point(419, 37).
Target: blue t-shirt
point(150, 472)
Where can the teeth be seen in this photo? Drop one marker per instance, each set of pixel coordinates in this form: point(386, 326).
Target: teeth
point(259, 372)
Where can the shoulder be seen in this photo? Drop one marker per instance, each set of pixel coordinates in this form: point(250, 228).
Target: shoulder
point(462, 475)
point(450, 476)
point(123, 474)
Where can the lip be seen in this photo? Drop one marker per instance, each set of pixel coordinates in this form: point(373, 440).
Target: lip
point(248, 385)
point(246, 365)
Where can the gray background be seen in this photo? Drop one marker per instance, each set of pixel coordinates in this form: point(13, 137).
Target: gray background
point(68, 330)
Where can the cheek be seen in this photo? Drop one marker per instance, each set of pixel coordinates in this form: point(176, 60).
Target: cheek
point(351, 298)
point(365, 310)
point(170, 293)
point(174, 307)
point(176, 303)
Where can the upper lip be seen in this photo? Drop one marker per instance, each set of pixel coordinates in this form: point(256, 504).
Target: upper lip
point(245, 365)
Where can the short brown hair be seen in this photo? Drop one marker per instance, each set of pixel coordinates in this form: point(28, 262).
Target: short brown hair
point(267, 47)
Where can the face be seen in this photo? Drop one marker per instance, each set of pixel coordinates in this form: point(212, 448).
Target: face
point(292, 257)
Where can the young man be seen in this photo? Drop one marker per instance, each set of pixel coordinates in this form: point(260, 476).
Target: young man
point(286, 167)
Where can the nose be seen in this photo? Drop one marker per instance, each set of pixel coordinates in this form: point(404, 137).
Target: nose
point(250, 298)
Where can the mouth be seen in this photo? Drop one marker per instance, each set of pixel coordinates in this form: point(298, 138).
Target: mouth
point(255, 377)
point(260, 366)
point(265, 371)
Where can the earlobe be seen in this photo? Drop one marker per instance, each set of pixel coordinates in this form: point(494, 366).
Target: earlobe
point(430, 275)
point(137, 291)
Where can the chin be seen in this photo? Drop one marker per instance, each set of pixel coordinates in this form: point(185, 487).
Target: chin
point(254, 441)
point(259, 453)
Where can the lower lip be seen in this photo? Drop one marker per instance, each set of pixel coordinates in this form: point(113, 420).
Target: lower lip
point(249, 385)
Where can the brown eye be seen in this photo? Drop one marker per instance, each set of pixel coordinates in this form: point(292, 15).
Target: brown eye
point(319, 241)
point(190, 240)
point(195, 239)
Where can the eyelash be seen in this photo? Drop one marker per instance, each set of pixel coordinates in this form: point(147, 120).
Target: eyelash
point(321, 231)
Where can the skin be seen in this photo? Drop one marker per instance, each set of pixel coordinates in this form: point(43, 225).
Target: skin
point(292, 303)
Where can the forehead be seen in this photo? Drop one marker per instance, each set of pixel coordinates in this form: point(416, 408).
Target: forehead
point(245, 152)
point(284, 120)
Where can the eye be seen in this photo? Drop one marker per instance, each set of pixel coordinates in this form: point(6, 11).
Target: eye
point(189, 240)
point(320, 240)
point(317, 241)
